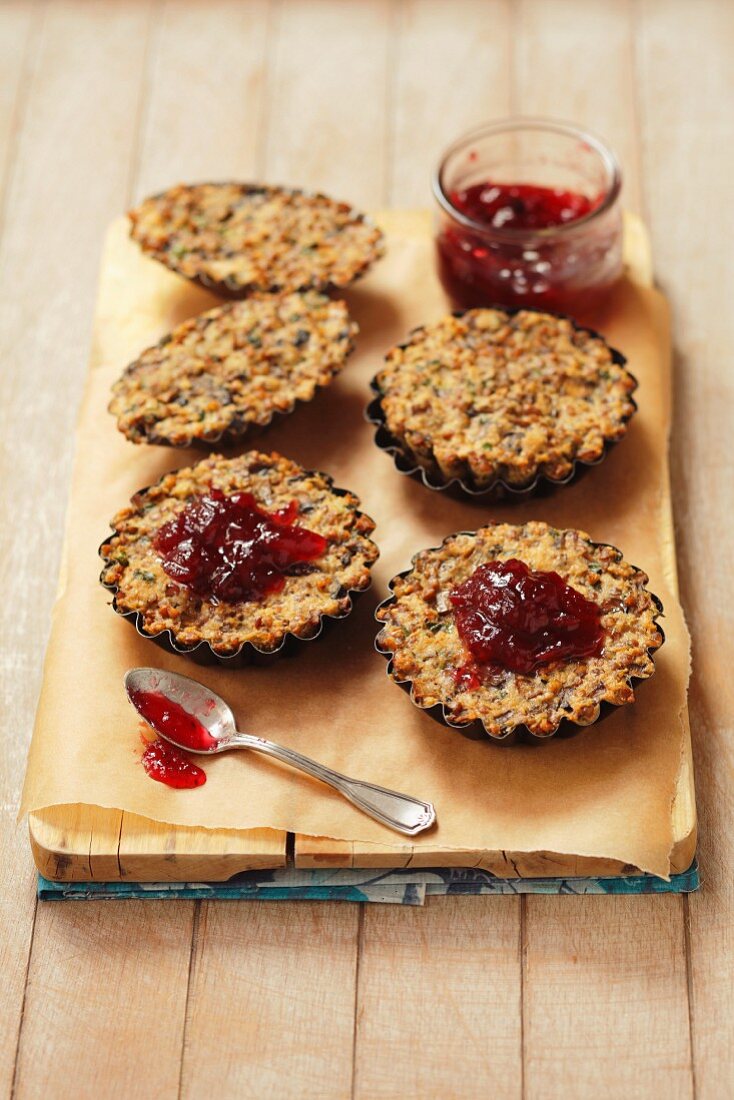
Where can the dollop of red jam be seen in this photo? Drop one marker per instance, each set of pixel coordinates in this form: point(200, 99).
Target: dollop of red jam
point(542, 272)
point(512, 617)
point(227, 547)
point(167, 764)
point(467, 677)
point(171, 720)
point(521, 205)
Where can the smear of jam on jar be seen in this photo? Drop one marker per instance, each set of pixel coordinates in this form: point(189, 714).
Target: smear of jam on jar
point(167, 764)
point(522, 205)
point(171, 719)
point(478, 269)
point(228, 548)
point(511, 617)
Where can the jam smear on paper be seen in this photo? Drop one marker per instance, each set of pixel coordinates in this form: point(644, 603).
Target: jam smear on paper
point(167, 764)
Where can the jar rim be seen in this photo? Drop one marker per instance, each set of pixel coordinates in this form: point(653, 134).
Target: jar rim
point(609, 160)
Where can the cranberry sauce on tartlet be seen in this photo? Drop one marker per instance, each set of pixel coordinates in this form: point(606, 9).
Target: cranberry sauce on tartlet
point(519, 630)
point(512, 617)
point(225, 547)
point(234, 556)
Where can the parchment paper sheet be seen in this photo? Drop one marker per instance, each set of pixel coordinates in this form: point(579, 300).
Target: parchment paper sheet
point(606, 792)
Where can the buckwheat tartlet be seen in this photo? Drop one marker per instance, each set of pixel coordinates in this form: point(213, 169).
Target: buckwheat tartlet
point(587, 590)
point(237, 557)
point(236, 238)
point(496, 401)
point(233, 368)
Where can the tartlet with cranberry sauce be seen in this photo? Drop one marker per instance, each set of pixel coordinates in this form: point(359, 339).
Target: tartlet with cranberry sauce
point(237, 238)
point(517, 632)
point(495, 401)
point(233, 368)
point(231, 559)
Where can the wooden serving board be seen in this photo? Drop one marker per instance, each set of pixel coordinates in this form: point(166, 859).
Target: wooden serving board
point(80, 843)
point(90, 844)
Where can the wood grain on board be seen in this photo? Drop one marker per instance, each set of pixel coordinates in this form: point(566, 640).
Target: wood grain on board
point(130, 847)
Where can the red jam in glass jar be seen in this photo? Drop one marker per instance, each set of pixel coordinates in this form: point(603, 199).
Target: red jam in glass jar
point(529, 216)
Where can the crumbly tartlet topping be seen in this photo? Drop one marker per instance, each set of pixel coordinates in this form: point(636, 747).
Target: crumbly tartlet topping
point(134, 569)
point(421, 637)
point(487, 396)
point(233, 367)
point(237, 238)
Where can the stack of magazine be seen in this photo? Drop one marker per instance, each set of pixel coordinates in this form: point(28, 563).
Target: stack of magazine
point(399, 887)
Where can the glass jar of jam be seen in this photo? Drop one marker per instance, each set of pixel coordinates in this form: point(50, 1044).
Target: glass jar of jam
point(529, 215)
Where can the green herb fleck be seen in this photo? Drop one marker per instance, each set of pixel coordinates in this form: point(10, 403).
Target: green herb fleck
point(435, 627)
point(144, 575)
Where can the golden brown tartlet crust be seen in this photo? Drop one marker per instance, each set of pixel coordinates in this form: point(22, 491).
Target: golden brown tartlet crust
point(134, 569)
point(232, 368)
point(488, 396)
point(420, 636)
point(236, 238)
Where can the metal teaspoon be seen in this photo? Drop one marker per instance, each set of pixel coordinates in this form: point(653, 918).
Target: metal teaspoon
point(398, 811)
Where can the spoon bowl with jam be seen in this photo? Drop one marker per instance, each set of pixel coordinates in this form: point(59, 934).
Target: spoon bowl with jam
point(192, 717)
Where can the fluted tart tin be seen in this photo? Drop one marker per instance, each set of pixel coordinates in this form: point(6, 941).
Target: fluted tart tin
point(501, 404)
point(427, 658)
point(233, 369)
point(235, 239)
point(222, 623)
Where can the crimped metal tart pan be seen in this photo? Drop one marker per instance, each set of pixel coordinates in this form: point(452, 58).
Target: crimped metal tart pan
point(432, 477)
point(229, 287)
point(248, 652)
point(167, 395)
point(475, 729)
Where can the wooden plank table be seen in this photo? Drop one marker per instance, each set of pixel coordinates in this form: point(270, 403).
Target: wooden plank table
point(101, 103)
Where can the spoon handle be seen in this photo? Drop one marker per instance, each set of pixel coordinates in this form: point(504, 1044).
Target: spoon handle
point(398, 811)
